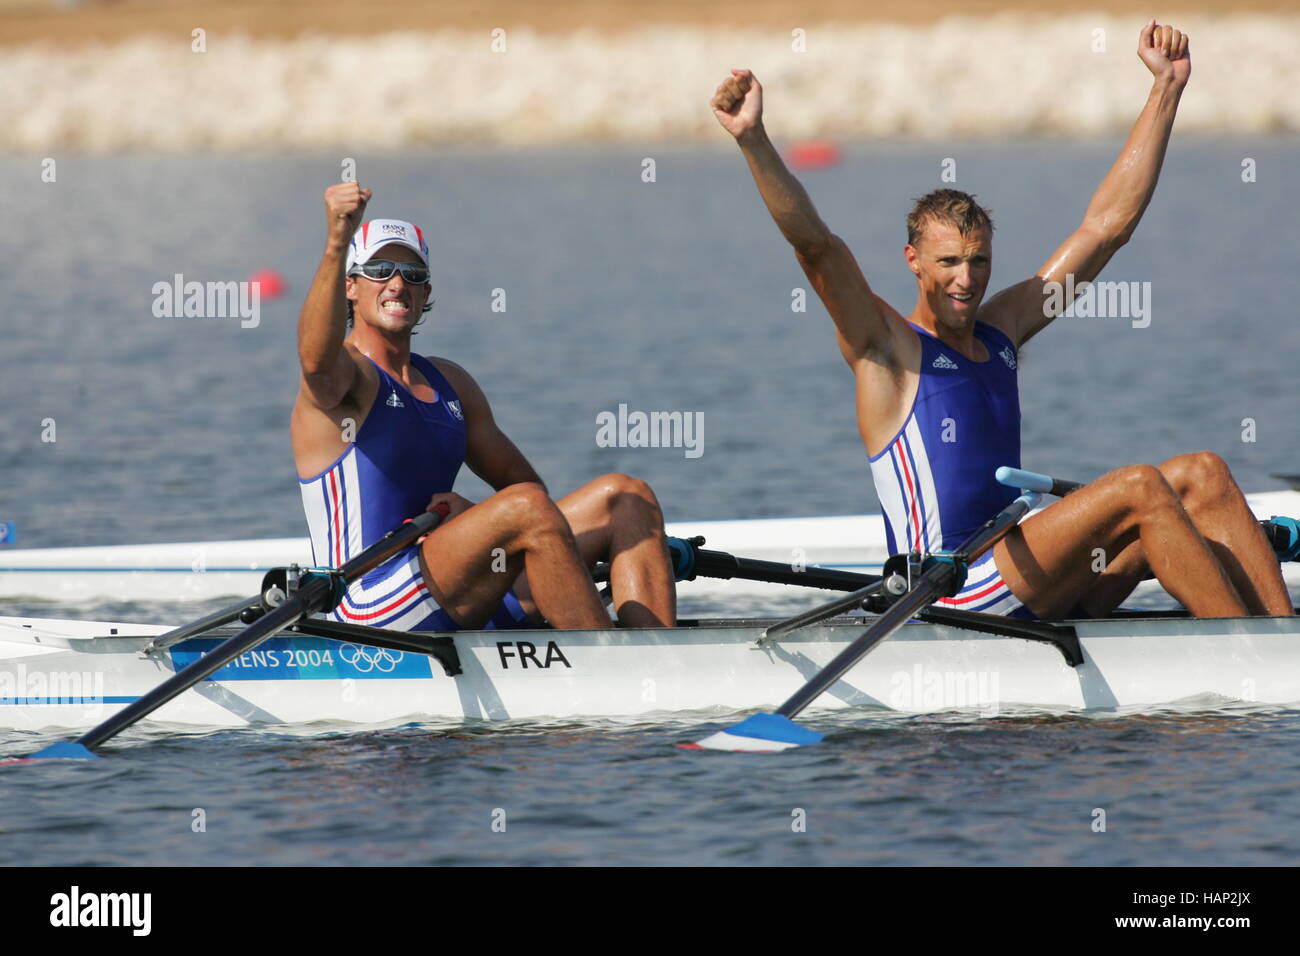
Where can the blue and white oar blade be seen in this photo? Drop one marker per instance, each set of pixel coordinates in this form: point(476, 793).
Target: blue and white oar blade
point(64, 750)
point(761, 733)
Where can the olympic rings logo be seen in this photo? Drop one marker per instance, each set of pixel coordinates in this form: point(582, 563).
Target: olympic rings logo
point(367, 659)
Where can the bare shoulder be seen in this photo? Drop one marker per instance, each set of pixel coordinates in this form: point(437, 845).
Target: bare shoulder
point(1015, 309)
point(358, 398)
point(453, 372)
point(903, 339)
point(999, 313)
point(462, 383)
point(322, 392)
point(319, 435)
point(897, 353)
point(447, 367)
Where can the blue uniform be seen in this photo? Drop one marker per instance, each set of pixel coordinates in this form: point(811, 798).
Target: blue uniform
point(405, 452)
point(935, 478)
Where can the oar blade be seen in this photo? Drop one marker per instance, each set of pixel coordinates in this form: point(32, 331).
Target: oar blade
point(64, 750)
point(761, 733)
point(322, 590)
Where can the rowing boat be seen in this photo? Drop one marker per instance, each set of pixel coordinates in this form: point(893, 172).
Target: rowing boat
point(209, 570)
point(290, 664)
point(74, 674)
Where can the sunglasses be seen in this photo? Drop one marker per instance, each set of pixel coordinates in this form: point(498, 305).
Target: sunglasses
point(381, 270)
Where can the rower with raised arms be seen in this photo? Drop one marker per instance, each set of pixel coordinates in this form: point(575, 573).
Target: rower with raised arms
point(938, 404)
point(379, 434)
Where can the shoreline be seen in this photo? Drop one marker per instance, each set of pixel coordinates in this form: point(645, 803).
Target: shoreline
point(73, 23)
point(1073, 76)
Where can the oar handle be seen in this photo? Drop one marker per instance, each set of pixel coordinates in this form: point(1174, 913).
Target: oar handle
point(996, 528)
point(1282, 532)
point(1033, 481)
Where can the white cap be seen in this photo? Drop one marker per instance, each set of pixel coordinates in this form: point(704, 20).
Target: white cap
point(377, 233)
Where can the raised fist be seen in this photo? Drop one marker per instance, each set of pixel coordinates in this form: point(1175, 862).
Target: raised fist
point(738, 103)
point(345, 208)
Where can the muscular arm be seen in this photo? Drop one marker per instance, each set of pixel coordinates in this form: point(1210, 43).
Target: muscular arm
point(489, 453)
point(328, 369)
point(786, 199)
point(1119, 202)
point(861, 318)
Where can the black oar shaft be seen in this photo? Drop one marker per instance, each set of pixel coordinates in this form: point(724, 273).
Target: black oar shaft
point(186, 631)
point(261, 629)
point(720, 564)
point(933, 583)
point(850, 602)
point(725, 567)
point(315, 594)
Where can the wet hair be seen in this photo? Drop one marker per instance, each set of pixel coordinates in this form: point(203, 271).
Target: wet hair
point(951, 207)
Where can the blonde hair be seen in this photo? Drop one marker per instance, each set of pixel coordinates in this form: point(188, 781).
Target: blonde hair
point(951, 207)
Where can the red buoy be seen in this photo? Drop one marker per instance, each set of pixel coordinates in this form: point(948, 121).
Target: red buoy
point(813, 154)
point(269, 283)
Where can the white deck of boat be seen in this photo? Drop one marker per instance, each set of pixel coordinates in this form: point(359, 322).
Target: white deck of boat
point(206, 570)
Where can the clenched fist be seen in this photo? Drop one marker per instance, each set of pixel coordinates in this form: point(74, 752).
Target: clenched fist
point(1164, 50)
point(345, 207)
point(738, 103)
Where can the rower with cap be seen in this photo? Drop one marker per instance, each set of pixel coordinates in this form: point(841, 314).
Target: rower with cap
point(379, 434)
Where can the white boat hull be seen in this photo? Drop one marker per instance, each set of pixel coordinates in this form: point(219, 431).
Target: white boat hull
point(75, 674)
point(210, 570)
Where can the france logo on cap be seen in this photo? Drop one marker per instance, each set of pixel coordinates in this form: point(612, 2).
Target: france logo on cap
point(374, 235)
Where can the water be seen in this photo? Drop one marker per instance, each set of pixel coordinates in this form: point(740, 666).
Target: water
point(1209, 786)
point(666, 295)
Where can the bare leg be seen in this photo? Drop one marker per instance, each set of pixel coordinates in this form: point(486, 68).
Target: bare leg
point(1116, 582)
point(1219, 511)
point(1048, 562)
point(1221, 515)
point(617, 518)
point(470, 561)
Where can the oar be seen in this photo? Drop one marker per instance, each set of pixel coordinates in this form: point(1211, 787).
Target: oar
point(214, 620)
point(317, 591)
point(1033, 481)
point(941, 575)
point(691, 561)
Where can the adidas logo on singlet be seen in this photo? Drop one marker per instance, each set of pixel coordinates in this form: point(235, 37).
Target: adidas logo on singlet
point(394, 401)
point(944, 362)
point(1008, 356)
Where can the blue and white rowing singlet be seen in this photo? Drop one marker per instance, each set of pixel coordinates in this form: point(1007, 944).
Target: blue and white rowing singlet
point(406, 452)
point(935, 479)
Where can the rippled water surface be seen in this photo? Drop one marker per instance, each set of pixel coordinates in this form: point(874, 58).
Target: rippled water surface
point(1209, 785)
